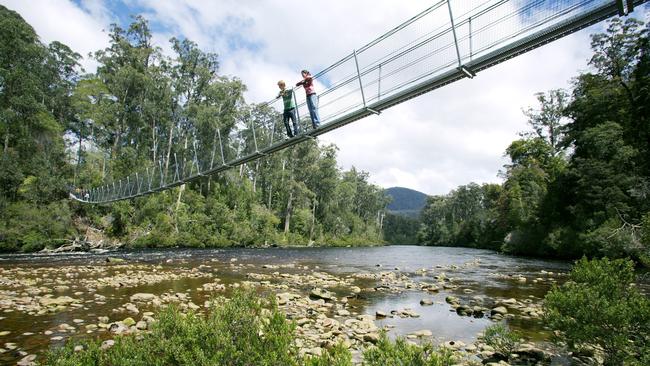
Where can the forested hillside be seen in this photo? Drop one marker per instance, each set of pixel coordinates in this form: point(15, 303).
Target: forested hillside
point(402, 221)
point(62, 127)
point(579, 179)
point(405, 200)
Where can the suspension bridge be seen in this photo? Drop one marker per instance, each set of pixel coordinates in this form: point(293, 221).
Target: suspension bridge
point(446, 42)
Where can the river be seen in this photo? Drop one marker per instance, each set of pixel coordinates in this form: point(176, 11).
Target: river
point(389, 277)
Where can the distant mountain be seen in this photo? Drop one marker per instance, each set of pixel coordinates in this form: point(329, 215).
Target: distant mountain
point(406, 202)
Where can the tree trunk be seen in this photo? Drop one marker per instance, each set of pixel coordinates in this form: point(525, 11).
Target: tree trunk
point(313, 219)
point(257, 165)
point(6, 143)
point(116, 143)
point(180, 194)
point(169, 147)
point(287, 219)
point(155, 141)
point(76, 169)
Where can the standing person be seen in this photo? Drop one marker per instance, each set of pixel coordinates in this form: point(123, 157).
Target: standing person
point(289, 109)
point(312, 99)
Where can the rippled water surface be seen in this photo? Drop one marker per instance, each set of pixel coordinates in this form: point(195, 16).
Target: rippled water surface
point(475, 273)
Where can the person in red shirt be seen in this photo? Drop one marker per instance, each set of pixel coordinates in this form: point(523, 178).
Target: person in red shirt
point(312, 99)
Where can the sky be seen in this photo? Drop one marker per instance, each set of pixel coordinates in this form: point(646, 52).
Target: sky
point(448, 137)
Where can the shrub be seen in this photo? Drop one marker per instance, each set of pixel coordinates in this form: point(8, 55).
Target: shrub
point(400, 352)
point(501, 338)
point(600, 306)
point(28, 227)
point(234, 333)
point(335, 356)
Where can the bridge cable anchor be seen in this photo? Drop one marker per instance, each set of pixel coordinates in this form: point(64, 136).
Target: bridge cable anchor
point(469, 73)
point(373, 111)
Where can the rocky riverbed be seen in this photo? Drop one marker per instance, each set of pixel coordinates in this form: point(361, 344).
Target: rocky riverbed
point(44, 304)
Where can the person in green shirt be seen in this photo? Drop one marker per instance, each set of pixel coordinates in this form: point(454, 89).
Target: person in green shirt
point(289, 109)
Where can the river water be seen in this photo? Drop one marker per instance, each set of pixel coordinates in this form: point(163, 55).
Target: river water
point(102, 288)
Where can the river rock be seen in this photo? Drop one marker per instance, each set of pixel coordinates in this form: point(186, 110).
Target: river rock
point(141, 325)
point(114, 260)
point(530, 351)
point(316, 351)
point(57, 301)
point(107, 344)
point(118, 328)
point(407, 313)
point(425, 302)
point(78, 348)
point(27, 360)
point(500, 310)
point(455, 345)
point(452, 300)
point(302, 321)
point(132, 308)
point(143, 297)
point(285, 297)
point(380, 314)
point(433, 288)
point(464, 310)
point(371, 337)
point(422, 333)
point(508, 302)
point(319, 293)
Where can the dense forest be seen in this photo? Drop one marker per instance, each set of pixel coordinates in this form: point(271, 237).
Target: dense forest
point(579, 180)
point(61, 127)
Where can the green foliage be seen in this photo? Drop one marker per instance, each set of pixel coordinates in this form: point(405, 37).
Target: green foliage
point(399, 229)
point(464, 217)
point(578, 181)
point(29, 227)
point(120, 218)
point(388, 353)
point(238, 331)
point(335, 356)
point(141, 108)
point(501, 338)
point(599, 305)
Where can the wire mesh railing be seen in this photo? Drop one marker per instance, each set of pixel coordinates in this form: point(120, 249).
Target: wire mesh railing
point(445, 42)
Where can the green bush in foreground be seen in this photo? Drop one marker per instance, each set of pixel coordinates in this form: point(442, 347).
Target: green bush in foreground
point(399, 353)
point(599, 306)
point(502, 339)
point(236, 332)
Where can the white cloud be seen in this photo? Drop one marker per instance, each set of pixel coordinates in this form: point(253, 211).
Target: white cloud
point(78, 27)
point(448, 137)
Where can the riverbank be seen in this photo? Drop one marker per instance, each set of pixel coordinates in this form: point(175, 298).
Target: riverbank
point(447, 296)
